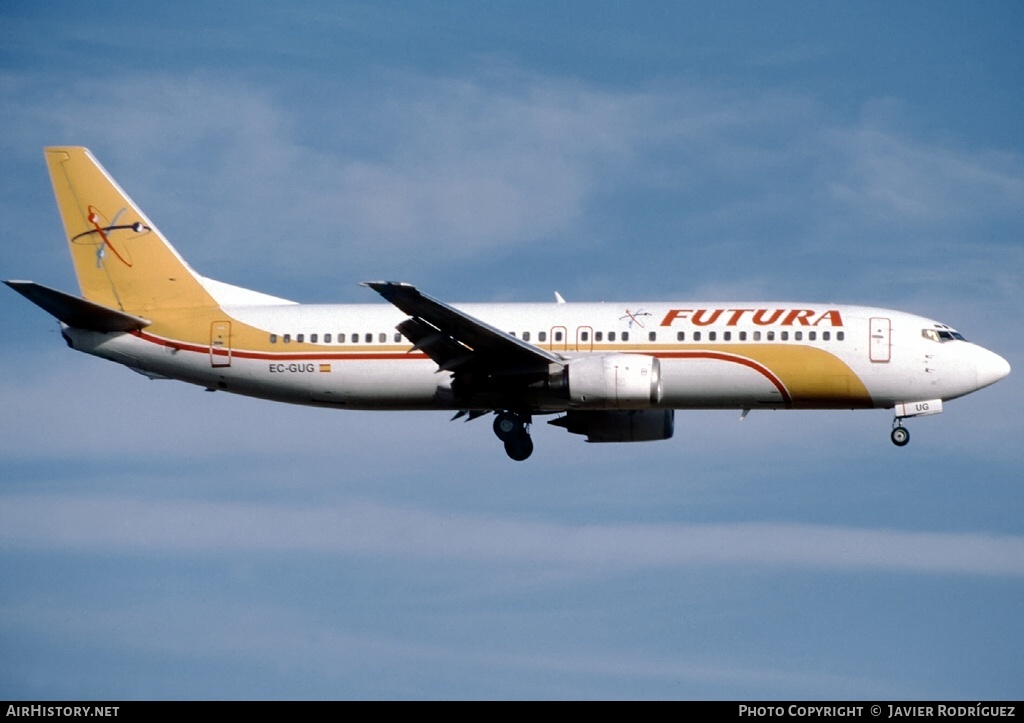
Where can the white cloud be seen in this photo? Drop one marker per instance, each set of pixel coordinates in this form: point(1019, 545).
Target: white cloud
point(894, 178)
point(62, 405)
point(418, 172)
point(137, 526)
point(453, 164)
point(332, 649)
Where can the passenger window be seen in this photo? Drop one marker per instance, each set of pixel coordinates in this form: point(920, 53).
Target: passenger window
point(599, 336)
point(300, 338)
point(712, 335)
point(625, 336)
point(727, 335)
point(584, 335)
point(826, 335)
point(398, 337)
point(696, 336)
point(840, 335)
point(652, 336)
point(369, 338)
point(743, 336)
point(680, 336)
point(354, 338)
point(757, 336)
point(542, 336)
point(611, 336)
point(287, 338)
point(770, 336)
point(313, 338)
point(526, 336)
point(812, 335)
point(558, 336)
point(785, 336)
point(327, 338)
point(798, 335)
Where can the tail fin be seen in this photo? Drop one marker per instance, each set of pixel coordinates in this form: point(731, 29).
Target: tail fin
point(121, 259)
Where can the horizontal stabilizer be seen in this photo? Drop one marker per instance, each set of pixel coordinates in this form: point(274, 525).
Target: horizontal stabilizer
point(77, 312)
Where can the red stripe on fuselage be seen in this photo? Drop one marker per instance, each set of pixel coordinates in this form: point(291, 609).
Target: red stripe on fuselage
point(381, 356)
point(736, 359)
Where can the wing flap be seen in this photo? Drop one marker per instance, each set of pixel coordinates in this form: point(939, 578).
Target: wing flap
point(447, 352)
point(75, 311)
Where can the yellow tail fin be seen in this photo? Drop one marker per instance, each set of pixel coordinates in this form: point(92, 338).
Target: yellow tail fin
point(121, 259)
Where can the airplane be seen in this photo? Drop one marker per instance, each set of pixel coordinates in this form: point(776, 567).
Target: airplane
point(608, 371)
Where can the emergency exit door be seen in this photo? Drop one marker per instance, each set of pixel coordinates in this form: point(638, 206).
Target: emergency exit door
point(880, 344)
point(220, 344)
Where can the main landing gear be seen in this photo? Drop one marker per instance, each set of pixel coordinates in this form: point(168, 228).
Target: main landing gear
point(513, 429)
point(900, 434)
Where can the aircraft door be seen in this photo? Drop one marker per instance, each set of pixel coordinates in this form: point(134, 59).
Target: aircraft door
point(220, 344)
point(880, 343)
point(559, 339)
point(584, 338)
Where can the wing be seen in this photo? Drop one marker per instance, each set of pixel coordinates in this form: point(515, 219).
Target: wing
point(459, 342)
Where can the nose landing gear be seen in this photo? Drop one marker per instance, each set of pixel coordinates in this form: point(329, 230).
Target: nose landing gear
point(900, 435)
point(513, 429)
point(903, 410)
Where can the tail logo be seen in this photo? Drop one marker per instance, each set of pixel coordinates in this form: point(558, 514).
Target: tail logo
point(104, 233)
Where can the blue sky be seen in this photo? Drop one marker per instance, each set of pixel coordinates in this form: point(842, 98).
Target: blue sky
point(157, 541)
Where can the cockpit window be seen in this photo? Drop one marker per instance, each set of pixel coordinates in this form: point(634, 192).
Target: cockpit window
point(942, 335)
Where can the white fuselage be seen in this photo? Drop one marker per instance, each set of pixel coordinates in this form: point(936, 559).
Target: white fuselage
point(711, 355)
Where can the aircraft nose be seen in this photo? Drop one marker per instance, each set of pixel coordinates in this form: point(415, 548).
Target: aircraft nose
point(991, 368)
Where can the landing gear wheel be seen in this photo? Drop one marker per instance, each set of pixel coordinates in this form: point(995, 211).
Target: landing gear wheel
point(519, 447)
point(512, 429)
point(900, 436)
point(507, 425)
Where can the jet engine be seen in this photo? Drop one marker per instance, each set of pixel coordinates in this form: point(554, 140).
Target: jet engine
point(613, 381)
point(635, 425)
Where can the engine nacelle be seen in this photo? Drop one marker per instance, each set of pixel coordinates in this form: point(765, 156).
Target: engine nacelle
point(639, 425)
point(614, 381)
